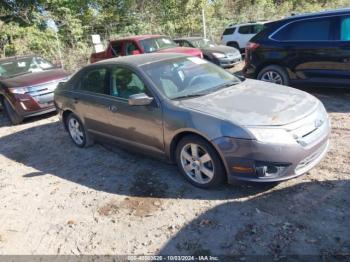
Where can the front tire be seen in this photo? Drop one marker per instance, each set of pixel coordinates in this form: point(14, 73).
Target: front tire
point(199, 162)
point(14, 117)
point(274, 74)
point(77, 131)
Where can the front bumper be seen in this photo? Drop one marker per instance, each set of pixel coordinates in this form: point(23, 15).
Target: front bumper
point(229, 61)
point(256, 159)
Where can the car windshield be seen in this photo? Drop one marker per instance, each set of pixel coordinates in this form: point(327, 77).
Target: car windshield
point(202, 43)
point(153, 44)
point(188, 76)
point(20, 66)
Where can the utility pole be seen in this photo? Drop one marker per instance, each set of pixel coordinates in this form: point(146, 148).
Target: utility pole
point(59, 48)
point(204, 25)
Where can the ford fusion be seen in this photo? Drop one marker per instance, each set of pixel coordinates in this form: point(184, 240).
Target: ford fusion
point(214, 126)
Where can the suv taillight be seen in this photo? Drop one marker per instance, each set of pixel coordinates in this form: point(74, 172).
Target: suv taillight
point(250, 47)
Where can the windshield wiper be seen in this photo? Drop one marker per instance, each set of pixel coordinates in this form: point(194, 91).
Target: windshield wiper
point(228, 84)
point(190, 95)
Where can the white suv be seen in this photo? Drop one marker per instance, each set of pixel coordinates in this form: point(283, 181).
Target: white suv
point(238, 36)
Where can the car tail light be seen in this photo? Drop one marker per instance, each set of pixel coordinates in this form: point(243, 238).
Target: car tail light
point(250, 47)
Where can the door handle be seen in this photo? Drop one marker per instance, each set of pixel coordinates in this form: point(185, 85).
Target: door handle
point(113, 109)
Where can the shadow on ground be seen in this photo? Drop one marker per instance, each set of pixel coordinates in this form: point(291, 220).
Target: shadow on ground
point(48, 150)
point(307, 219)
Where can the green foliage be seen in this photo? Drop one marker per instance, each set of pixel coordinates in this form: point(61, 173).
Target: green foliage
point(24, 28)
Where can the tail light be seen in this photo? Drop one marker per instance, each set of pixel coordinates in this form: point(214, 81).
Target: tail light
point(250, 47)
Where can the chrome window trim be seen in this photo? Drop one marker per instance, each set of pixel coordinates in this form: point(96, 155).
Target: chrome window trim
point(303, 19)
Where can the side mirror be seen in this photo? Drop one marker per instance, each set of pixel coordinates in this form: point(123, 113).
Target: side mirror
point(135, 52)
point(140, 100)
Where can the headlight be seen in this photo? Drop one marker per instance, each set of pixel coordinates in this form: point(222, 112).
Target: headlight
point(18, 90)
point(272, 135)
point(219, 55)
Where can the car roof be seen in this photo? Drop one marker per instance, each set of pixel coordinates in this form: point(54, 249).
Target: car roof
point(248, 23)
point(189, 38)
point(13, 58)
point(142, 59)
point(319, 14)
point(137, 37)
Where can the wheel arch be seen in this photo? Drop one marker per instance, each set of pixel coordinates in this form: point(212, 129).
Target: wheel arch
point(176, 139)
point(271, 63)
point(234, 44)
point(65, 114)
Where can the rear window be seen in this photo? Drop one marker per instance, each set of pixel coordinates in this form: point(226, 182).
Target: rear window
point(117, 48)
point(250, 29)
point(306, 30)
point(229, 31)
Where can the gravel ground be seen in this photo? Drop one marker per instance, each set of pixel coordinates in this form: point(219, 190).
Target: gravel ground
point(56, 198)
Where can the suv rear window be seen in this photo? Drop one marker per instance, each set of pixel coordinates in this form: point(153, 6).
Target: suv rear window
point(229, 31)
point(305, 30)
point(251, 29)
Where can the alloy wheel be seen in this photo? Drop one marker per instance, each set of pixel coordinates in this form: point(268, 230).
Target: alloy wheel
point(76, 131)
point(273, 77)
point(197, 163)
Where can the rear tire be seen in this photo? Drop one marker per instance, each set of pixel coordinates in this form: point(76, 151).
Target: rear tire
point(14, 117)
point(77, 131)
point(199, 162)
point(274, 74)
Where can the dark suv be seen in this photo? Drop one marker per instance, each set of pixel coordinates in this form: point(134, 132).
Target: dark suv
point(303, 50)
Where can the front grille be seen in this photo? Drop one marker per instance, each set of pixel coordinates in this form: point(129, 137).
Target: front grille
point(310, 129)
point(43, 93)
point(312, 159)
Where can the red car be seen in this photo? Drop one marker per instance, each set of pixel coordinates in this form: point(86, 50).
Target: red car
point(26, 86)
point(141, 44)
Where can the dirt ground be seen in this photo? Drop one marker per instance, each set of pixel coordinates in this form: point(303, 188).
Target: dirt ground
point(56, 198)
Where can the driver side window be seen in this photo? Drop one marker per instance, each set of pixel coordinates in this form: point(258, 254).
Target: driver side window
point(126, 83)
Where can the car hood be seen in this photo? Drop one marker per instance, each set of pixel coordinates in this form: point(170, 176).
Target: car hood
point(255, 103)
point(35, 78)
point(221, 49)
point(182, 50)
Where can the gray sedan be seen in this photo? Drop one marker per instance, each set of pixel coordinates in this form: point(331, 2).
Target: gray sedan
point(213, 125)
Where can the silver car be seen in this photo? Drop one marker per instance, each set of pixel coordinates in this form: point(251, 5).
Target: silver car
point(213, 125)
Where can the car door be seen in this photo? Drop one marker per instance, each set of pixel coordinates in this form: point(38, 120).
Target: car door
point(131, 48)
point(140, 126)
point(310, 50)
point(90, 98)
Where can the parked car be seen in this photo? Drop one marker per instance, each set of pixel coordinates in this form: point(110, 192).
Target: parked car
point(238, 35)
point(135, 45)
point(224, 56)
point(215, 126)
point(26, 86)
point(310, 49)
